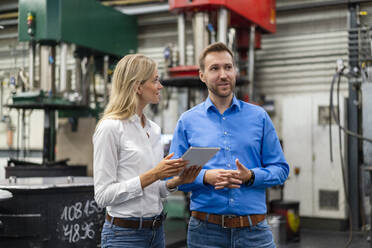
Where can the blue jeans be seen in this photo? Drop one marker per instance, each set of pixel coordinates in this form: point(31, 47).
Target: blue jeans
point(202, 234)
point(118, 237)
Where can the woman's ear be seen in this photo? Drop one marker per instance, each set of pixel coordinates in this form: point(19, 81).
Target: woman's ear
point(139, 89)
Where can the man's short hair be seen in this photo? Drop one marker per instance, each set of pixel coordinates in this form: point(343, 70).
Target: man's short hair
point(214, 47)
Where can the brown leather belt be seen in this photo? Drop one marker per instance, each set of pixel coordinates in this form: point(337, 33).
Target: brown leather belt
point(229, 221)
point(155, 223)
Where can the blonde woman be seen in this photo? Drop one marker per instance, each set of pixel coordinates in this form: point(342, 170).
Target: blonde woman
point(128, 159)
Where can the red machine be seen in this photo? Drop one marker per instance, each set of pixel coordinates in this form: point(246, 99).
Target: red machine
point(248, 18)
point(243, 13)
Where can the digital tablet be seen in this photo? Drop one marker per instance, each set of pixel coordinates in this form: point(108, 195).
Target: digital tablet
point(199, 155)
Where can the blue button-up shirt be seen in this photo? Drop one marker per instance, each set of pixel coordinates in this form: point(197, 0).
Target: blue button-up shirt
point(243, 131)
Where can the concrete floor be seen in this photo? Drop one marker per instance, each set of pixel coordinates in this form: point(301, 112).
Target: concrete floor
point(326, 239)
point(309, 238)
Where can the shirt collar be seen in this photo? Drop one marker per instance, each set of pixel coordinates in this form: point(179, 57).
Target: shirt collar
point(136, 119)
point(209, 104)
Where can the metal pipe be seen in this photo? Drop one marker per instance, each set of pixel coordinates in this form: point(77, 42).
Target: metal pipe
point(318, 4)
point(353, 145)
point(24, 136)
point(181, 39)
point(9, 7)
point(8, 36)
point(52, 63)
point(9, 15)
point(44, 72)
point(47, 67)
point(31, 66)
point(63, 68)
point(1, 100)
point(199, 31)
point(124, 2)
point(222, 25)
point(143, 9)
point(105, 79)
point(251, 62)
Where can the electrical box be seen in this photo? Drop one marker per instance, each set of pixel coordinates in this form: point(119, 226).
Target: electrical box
point(86, 23)
point(243, 13)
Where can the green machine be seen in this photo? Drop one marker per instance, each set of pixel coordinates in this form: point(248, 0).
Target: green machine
point(86, 23)
point(98, 32)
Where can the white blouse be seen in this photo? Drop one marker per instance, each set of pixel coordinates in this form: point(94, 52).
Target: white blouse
point(123, 150)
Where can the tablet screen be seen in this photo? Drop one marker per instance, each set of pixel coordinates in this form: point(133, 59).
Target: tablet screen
point(199, 155)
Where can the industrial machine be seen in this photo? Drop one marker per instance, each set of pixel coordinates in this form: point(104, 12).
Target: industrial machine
point(93, 29)
point(356, 160)
point(33, 214)
point(37, 216)
point(238, 24)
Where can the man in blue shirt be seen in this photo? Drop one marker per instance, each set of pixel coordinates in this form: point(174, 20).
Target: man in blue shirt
point(228, 197)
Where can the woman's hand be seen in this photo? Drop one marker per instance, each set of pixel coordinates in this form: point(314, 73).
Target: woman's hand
point(169, 167)
point(187, 176)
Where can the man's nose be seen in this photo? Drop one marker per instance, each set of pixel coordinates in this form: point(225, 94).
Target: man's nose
point(223, 73)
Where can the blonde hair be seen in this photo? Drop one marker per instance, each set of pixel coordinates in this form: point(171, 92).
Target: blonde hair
point(130, 72)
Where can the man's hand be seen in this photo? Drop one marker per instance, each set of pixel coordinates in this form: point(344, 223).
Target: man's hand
point(230, 178)
point(221, 178)
point(244, 173)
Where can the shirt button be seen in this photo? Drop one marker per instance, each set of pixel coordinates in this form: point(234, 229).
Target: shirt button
point(225, 133)
point(231, 200)
point(223, 118)
point(228, 165)
point(227, 148)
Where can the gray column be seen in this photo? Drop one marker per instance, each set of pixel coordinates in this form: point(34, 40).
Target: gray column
point(181, 39)
point(222, 25)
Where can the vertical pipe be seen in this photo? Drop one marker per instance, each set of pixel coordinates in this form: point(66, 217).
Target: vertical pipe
point(44, 72)
point(222, 25)
point(251, 62)
point(47, 70)
point(23, 136)
point(18, 135)
point(105, 79)
point(63, 68)
point(52, 64)
point(46, 141)
point(1, 100)
point(181, 39)
point(31, 67)
point(199, 33)
point(78, 76)
point(353, 146)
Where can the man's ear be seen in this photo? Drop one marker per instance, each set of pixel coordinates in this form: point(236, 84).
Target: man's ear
point(201, 76)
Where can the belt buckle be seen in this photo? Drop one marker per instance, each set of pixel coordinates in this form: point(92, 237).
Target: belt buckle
point(223, 220)
point(153, 224)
